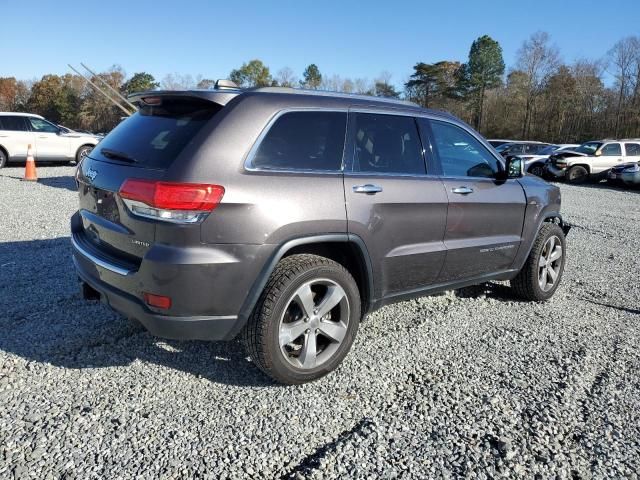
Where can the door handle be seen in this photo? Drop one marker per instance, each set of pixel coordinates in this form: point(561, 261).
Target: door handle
point(43, 136)
point(462, 190)
point(368, 189)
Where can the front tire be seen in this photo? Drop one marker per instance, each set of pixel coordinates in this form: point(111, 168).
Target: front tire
point(3, 159)
point(82, 152)
point(305, 320)
point(577, 175)
point(537, 170)
point(541, 274)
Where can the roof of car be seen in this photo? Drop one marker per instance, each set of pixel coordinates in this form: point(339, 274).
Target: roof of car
point(222, 96)
point(20, 114)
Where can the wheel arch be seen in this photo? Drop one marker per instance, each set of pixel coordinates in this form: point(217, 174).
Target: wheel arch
point(5, 151)
point(586, 166)
point(347, 249)
point(92, 145)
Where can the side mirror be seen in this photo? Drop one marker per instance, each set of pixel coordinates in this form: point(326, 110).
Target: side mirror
point(514, 168)
point(598, 153)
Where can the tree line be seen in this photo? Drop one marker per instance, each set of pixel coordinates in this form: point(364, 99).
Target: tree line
point(540, 97)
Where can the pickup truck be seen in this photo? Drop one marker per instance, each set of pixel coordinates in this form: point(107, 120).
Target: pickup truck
point(593, 159)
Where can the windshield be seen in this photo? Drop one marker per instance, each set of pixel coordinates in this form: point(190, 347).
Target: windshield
point(588, 148)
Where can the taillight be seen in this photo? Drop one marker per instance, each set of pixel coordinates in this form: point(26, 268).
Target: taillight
point(171, 202)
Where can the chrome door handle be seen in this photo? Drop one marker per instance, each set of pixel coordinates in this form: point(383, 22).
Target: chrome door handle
point(462, 190)
point(43, 136)
point(368, 189)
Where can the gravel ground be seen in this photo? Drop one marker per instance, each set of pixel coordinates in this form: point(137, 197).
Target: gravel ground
point(455, 385)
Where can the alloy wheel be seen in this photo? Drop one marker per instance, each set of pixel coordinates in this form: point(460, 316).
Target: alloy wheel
point(314, 323)
point(550, 263)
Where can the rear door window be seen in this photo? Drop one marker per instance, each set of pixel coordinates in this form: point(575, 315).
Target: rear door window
point(633, 149)
point(14, 123)
point(155, 135)
point(388, 144)
point(311, 140)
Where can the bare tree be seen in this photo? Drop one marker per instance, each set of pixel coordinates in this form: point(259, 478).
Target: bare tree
point(622, 64)
point(177, 81)
point(537, 59)
point(286, 77)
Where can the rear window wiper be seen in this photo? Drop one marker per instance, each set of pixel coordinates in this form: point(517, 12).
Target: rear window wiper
point(116, 155)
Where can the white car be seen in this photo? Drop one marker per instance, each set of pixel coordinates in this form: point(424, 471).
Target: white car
point(593, 159)
point(49, 142)
point(534, 163)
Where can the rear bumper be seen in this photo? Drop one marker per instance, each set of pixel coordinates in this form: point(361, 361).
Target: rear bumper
point(207, 284)
point(177, 328)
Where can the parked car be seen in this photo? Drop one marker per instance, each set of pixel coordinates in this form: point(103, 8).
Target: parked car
point(85, 132)
point(593, 159)
point(284, 216)
point(521, 148)
point(534, 163)
point(631, 175)
point(48, 141)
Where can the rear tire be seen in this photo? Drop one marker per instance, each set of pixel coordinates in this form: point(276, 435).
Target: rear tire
point(541, 274)
point(3, 158)
point(296, 333)
point(577, 175)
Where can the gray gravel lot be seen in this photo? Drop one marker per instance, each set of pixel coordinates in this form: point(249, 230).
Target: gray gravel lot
point(445, 386)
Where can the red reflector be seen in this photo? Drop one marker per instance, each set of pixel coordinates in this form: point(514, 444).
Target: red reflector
point(173, 196)
point(158, 301)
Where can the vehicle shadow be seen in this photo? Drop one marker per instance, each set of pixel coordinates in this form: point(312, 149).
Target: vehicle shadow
point(67, 182)
point(496, 291)
point(603, 185)
point(45, 320)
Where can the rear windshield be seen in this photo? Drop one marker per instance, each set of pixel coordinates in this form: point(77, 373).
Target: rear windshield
point(155, 135)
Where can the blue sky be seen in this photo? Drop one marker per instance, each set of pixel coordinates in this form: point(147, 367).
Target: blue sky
point(354, 39)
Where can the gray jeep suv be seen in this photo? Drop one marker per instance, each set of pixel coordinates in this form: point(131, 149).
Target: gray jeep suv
point(285, 216)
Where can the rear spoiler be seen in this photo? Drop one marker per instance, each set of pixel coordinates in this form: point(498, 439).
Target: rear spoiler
point(220, 97)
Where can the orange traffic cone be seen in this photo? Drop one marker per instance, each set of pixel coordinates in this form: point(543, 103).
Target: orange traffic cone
point(30, 168)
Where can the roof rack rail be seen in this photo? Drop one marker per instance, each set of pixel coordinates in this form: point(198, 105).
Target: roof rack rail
point(327, 93)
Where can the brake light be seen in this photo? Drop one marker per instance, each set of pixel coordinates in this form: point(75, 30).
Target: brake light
point(172, 202)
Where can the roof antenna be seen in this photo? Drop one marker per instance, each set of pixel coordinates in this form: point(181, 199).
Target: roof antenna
point(105, 94)
point(222, 84)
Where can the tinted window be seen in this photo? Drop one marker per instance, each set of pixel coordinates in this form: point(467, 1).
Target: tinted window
point(633, 149)
point(13, 123)
point(611, 149)
point(511, 149)
point(303, 141)
point(533, 148)
point(387, 144)
point(156, 135)
point(39, 125)
point(460, 153)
